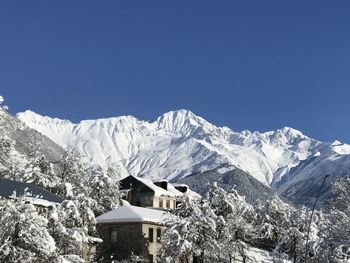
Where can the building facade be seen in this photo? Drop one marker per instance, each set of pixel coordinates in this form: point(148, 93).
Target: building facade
point(130, 230)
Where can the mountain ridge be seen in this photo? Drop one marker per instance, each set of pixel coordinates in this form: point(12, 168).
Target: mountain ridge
point(180, 143)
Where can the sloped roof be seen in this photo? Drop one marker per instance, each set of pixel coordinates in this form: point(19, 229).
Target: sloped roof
point(8, 187)
point(171, 188)
point(132, 214)
point(158, 191)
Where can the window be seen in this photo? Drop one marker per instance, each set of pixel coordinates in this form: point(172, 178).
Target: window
point(167, 203)
point(159, 232)
point(160, 202)
point(150, 258)
point(150, 235)
point(114, 235)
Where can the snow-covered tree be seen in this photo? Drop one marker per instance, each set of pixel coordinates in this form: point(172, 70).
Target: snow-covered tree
point(336, 225)
point(238, 228)
point(63, 232)
point(74, 174)
point(40, 171)
point(273, 216)
point(341, 191)
point(214, 228)
point(71, 224)
point(98, 188)
point(293, 245)
point(24, 236)
point(105, 189)
point(12, 164)
point(193, 232)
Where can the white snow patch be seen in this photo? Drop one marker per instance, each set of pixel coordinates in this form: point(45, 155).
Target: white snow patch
point(130, 213)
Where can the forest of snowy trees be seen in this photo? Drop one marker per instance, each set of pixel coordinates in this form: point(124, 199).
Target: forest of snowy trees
point(218, 227)
point(222, 226)
point(65, 233)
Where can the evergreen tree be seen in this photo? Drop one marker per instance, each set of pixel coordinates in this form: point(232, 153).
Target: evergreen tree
point(105, 189)
point(213, 229)
point(23, 234)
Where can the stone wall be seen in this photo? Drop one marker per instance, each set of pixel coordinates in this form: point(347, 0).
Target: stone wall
point(129, 239)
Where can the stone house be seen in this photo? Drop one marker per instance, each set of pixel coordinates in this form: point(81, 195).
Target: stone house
point(130, 230)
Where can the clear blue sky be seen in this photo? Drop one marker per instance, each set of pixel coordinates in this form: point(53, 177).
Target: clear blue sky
point(257, 65)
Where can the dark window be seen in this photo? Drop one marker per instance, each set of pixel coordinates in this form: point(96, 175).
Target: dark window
point(150, 234)
point(150, 258)
point(167, 203)
point(159, 232)
point(114, 235)
point(160, 202)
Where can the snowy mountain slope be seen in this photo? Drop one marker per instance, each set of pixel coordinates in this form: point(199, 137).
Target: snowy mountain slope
point(179, 143)
point(302, 182)
point(228, 177)
point(28, 141)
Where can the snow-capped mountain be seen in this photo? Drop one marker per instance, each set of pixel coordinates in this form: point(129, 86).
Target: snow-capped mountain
point(179, 143)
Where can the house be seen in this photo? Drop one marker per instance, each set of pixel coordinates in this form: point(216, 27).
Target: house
point(131, 229)
point(143, 192)
point(38, 196)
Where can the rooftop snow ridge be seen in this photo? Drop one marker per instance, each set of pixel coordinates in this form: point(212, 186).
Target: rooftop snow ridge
point(130, 213)
point(158, 191)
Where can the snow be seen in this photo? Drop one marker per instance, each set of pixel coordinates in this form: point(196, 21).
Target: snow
point(224, 170)
point(342, 149)
point(129, 213)
point(189, 193)
point(40, 202)
point(256, 255)
point(173, 190)
point(158, 191)
point(179, 143)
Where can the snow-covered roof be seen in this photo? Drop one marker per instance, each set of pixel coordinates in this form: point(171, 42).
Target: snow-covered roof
point(158, 191)
point(38, 194)
point(189, 192)
point(130, 213)
point(171, 188)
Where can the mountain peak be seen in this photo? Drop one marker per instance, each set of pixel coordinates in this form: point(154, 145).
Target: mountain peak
point(181, 113)
point(291, 132)
point(183, 121)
